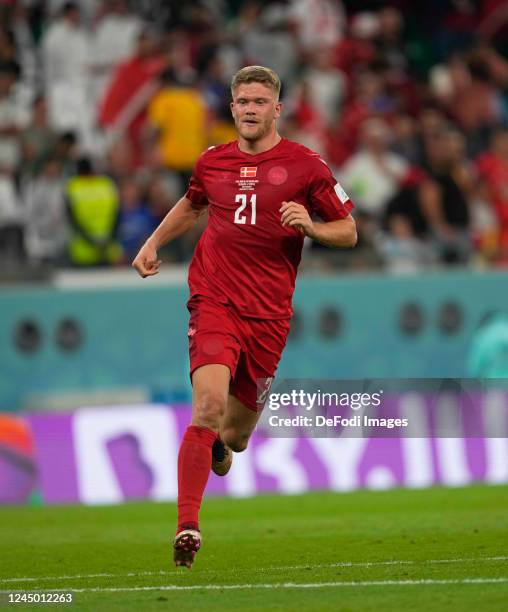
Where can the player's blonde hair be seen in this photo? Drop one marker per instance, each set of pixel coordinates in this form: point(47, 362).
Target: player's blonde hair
point(256, 74)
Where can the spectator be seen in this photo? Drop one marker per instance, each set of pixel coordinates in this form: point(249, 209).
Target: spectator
point(161, 196)
point(65, 151)
point(216, 96)
point(136, 221)
point(161, 193)
point(484, 228)
point(119, 159)
point(467, 90)
point(357, 50)
point(215, 82)
point(308, 128)
point(402, 251)
point(450, 219)
point(493, 169)
point(93, 207)
point(24, 45)
point(177, 116)
point(370, 97)
point(8, 51)
point(222, 129)
point(88, 8)
point(326, 86)
point(266, 38)
point(317, 22)
point(11, 223)
point(13, 118)
point(113, 41)
point(122, 111)
point(374, 174)
point(431, 123)
point(418, 197)
point(390, 44)
point(457, 25)
point(46, 228)
point(38, 139)
point(405, 138)
point(365, 255)
point(66, 52)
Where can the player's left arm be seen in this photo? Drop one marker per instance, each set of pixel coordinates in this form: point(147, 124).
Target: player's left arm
point(333, 234)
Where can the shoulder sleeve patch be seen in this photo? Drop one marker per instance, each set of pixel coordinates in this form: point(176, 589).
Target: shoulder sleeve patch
point(341, 194)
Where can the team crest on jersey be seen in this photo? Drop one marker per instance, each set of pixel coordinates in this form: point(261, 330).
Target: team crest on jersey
point(277, 175)
point(248, 172)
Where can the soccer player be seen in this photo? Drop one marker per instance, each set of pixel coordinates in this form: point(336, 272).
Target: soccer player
point(262, 193)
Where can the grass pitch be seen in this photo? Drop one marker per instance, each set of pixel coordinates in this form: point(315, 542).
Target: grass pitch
point(437, 549)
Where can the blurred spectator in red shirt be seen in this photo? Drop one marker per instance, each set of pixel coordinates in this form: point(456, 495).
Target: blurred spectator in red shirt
point(369, 97)
point(466, 88)
point(493, 168)
point(357, 48)
point(123, 109)
point(113, 41)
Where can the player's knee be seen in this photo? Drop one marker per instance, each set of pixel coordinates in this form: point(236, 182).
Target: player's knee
point(236, 441)
point(208, 409)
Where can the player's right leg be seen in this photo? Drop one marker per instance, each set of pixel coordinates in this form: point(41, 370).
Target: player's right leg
point(210, 385)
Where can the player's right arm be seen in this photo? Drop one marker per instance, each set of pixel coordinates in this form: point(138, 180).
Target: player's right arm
point(181, 218)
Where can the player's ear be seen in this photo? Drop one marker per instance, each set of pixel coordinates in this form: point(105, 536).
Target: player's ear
point(231, 106)
point(278, 110)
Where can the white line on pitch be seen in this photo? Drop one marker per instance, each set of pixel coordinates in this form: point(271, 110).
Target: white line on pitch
point(280, 585)
point(262, 569)
point(82, 576)
point(394, 562)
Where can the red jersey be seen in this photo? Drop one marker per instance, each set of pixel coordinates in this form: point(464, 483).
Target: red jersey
point(494, 172)
point(245, 256)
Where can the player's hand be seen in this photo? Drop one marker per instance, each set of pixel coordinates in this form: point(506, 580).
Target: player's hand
point(295, 215)
point(146, 262)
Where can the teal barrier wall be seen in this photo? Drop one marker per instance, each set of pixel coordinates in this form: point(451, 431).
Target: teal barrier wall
point(137, 338)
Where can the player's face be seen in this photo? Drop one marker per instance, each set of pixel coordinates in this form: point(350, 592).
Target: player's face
point(255, 108)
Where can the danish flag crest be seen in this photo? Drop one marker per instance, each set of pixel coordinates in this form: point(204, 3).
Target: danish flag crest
point(248, 172)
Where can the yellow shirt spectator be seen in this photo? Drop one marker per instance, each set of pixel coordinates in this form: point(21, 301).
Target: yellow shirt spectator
point(179, 114)
point(222, 132)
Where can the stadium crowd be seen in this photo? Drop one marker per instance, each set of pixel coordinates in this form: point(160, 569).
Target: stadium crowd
point(105, 107)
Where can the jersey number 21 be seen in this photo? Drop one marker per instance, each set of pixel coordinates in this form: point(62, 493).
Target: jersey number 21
point(240, 216)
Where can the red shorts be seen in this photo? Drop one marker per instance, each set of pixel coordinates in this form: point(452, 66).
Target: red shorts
point(251, 348)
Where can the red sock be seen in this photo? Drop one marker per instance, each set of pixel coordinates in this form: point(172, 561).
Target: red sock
point(194, 462)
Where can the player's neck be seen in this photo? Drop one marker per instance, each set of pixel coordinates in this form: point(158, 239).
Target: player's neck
point(259, 146)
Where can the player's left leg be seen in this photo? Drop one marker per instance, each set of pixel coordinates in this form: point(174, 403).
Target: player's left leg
point(237, 425)
point(262, 345)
